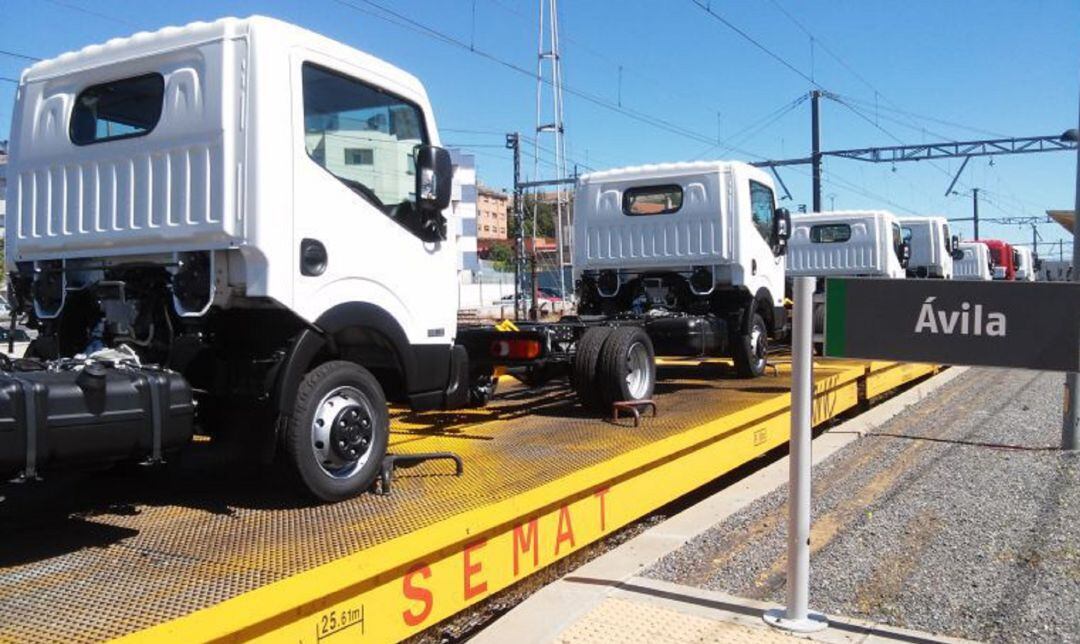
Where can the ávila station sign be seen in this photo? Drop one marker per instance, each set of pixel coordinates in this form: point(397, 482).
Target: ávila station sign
point(1030, 325)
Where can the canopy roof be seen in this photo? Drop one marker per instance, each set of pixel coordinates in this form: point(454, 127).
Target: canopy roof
point(1067, 218)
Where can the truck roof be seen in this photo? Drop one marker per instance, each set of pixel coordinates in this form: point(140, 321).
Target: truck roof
point(653, 170)
point(146, 43)
point(920, 219)
point(840, 214)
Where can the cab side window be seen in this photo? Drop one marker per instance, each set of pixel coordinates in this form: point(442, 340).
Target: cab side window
point(363, 135)
point(762, 209)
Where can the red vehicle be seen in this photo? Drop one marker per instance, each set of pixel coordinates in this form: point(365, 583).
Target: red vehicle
point(1004, 258)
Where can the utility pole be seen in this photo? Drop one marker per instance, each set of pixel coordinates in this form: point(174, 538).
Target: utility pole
point(513, 142)
point(815, 146)
point(1070, 428)
point(549, 54)
point(975, 210)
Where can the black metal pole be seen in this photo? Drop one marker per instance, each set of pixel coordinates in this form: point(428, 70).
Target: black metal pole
point(815, 146)
point(975, 210)
point(513, 142)
point(533, 310)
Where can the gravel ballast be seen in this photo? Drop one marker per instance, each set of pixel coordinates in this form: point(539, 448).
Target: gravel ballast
point(959, 517)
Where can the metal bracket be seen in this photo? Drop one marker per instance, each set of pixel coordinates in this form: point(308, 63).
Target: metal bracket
point(32, 422)
point(390, 461)
point(632, 407)
point(155, 382)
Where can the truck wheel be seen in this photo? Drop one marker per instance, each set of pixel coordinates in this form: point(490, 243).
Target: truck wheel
point(586, 362)
point(819, 328)
point(482, 387)
point(627, 370)
point(338, 430)
point(751, 349)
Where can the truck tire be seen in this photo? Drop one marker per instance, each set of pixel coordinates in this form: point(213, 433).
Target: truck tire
point(627, 369)
point(586, 361)
point(338, 430)
point(750, 350)
point(819, 327)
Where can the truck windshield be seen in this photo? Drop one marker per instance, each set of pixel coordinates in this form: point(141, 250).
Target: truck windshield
point(898, 241)
point(363, 135)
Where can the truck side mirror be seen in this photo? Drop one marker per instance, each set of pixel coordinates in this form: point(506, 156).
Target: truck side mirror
point(905, 253)
point(434, 180)
point(781, 231)
point(434, 177)
point(956, 253)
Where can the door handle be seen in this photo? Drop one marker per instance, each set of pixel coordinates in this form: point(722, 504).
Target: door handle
point(313, 258)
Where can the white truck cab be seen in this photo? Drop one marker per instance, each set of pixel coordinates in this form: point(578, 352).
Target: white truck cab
point(932, 247)
point(695, 248)
point(850, 243)
point(251, 205)
point(974, 262)
point(1025, 267)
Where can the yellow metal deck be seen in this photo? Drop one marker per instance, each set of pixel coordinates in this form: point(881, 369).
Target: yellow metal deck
point(207, 553)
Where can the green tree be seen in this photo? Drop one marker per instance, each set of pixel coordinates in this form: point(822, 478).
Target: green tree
point(545, 218)
point(502, 257)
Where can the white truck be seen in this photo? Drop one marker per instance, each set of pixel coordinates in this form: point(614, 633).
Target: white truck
point(693, 251)
point(845, 243)
point(974, 262)
point(1025, 267)
point(240, 227)
point(933, 249)
point(850, 243)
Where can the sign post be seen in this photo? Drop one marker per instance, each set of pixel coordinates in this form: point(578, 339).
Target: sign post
point(1070, 427)
point(999, 324)
point(796, 616)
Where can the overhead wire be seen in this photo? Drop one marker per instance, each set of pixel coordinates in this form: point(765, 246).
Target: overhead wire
point(851, 102)
point(621, 66)
point(924, 117)
point(745, 134)
point(707, 8)
point(638, 115)
point(14, 54)
point(842, 183)
point(877, 92)
point(90, 12)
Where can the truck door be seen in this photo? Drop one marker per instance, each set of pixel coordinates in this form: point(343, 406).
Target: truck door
point(356, 236)
point(763, 268)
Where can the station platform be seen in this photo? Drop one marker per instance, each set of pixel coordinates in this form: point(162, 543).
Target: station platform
point(205, 551)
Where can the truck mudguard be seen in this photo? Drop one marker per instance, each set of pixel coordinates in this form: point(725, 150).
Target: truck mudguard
point(424, 368)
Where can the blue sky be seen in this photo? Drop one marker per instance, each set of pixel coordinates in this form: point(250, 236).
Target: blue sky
point(977, 68)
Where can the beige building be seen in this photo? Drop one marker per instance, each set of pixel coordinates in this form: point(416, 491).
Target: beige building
point(491, 210)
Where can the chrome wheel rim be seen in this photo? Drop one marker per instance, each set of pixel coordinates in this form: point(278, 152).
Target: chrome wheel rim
point(342, 432)
point(639, 374)
point(758, 345)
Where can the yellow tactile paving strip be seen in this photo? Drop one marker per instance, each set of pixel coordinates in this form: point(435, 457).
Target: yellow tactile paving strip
point(135, 554)
point(616, 621)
